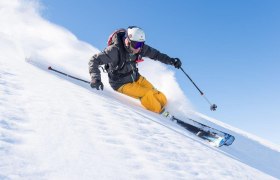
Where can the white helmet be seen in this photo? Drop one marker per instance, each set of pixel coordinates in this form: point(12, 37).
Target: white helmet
point(135, 33)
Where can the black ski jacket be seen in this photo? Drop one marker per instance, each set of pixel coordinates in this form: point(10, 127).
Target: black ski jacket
point(121, 64)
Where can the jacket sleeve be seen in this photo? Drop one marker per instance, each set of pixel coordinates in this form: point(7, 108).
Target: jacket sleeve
point(109, 55)
point(156, 55)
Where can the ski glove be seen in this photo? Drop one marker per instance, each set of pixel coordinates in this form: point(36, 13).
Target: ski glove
point(96, 84)
point(176, 63)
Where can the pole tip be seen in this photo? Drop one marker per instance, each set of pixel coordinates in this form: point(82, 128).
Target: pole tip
point(213, 107)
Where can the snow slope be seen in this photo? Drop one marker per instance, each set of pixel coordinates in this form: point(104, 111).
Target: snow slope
point(52, 127)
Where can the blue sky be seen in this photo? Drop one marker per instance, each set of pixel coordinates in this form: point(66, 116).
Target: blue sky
point(231, 49)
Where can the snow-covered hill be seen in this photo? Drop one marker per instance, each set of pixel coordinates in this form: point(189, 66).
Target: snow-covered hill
point(52, 127)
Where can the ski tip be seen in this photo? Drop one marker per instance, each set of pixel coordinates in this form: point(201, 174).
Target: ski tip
point(225, 141)
point(229, 139)
point(49, 68)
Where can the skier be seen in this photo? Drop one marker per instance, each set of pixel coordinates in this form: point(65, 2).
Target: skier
point(126, 49)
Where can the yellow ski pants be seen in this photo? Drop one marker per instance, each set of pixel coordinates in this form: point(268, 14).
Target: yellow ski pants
point(142, 89)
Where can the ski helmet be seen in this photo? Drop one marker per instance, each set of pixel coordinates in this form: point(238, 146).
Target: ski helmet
point(135, 33)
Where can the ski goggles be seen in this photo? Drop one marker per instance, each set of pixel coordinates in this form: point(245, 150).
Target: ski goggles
point(136, 45)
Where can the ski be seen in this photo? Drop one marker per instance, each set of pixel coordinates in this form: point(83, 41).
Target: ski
point(213, 136)
point(216, 137)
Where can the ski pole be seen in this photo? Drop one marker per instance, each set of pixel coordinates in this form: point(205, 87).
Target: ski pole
point(50, 68)
point(213, 107)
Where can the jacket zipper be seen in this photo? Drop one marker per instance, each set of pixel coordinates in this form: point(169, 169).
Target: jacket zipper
point(132, 69)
